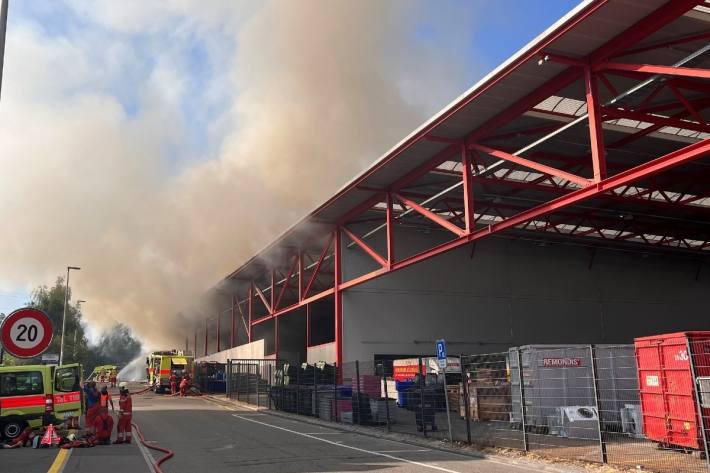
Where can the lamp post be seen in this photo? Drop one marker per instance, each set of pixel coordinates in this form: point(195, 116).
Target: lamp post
point(64, 316)
point(76, 329)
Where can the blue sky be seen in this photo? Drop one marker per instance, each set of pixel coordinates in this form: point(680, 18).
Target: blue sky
point(133, 117)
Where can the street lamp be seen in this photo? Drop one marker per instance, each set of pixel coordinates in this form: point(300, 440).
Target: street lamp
point(76, 329)
point(64, 316)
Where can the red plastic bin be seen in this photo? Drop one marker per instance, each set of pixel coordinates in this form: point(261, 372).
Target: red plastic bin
point(666, 386)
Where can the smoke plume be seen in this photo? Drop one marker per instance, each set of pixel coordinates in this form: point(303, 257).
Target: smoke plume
point(310, 93)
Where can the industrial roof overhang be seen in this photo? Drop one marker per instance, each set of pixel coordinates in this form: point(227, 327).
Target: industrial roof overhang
point(535, 105)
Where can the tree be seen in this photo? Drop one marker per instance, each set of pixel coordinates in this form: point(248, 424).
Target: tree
point(51, 301)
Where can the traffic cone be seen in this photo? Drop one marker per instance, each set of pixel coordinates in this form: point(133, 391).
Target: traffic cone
point(50, 436)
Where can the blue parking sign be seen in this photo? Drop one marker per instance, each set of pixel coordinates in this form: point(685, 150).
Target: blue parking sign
point(441, 353)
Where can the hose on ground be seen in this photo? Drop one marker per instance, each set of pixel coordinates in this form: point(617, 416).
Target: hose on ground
point(168, 453)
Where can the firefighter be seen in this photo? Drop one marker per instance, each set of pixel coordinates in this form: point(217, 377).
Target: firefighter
point(125, 414)
point(112, 378)
point(184, 384)
point(173, 383)
point(91, 394)
point(105, 399)
point(103, 426)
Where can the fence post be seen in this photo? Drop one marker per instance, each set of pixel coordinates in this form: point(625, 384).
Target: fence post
point(257, 369)
point(697, 398)
point(597, 403)
point(298, 390)
point(239, 378)
point(315, 392)
point(283, 384)
point(270, 384)
point(466, 400)
point(335, 393)
point(227, 379)
point(526, 445)
point(357, 374)
point(387, 398)
point(421, 396)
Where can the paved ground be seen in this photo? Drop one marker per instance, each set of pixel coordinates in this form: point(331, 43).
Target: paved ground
point(209, 437)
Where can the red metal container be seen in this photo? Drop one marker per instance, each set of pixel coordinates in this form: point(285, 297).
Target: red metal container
point(667, 386)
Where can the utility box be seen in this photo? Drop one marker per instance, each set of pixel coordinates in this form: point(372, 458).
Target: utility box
point(560, 376)
point(667, 385)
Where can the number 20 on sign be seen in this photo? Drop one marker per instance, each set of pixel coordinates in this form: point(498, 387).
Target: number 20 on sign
point(26, 333)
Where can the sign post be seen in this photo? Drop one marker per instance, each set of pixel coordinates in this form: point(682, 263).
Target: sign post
point(442, 360)
point(26, 333)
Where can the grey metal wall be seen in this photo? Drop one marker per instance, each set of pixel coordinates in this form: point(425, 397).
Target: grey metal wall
point(514, 292)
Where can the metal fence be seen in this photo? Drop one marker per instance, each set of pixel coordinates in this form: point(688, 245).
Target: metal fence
point(579, 402)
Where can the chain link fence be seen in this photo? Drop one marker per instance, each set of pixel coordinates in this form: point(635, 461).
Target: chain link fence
point(577, 402)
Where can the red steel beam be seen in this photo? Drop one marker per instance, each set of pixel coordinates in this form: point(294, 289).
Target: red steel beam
point(219, 318)
point(667, 43)
point(390, 231)
point(250, 308)
point(646, 170)
point(365, 247)
point(612, 113)
point(232, 335)
point(314, 275)
point(688, 106)
point(337, 279)
point(300, 275)
point(655, 69)
point(468, 203)
point(263, 299)
point(532, 165)
point(596, 134)
point(430, 215)
point(286, 283)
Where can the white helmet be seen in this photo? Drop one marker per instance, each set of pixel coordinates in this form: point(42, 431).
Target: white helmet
point(123, 385)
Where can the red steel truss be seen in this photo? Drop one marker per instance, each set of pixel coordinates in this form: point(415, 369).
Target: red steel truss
point(512, 173)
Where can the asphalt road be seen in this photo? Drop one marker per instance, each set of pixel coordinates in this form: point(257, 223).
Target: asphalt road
point(210, 437)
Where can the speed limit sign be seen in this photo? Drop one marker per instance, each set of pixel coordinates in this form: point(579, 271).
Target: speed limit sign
point(26, 333)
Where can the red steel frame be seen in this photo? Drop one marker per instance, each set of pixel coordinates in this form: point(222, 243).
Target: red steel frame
point(471, 147)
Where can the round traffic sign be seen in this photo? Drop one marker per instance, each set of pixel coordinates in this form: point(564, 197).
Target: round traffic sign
point(26, 332)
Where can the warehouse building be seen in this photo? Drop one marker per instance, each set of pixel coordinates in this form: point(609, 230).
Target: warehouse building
point(564, 198)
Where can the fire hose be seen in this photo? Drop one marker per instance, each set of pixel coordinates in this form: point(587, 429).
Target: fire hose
point(168, 453)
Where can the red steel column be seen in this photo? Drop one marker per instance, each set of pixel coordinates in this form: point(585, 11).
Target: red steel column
point(308, 325)
point(206, 339)
point(390, 232)
point(276, 337)
point(338, 299)
point(272, 296)
point(250, 307)
point(219, 319)
point(300, 275)
point(596, 137)
point(194, 351)
point(467, 189)
point(234, 328)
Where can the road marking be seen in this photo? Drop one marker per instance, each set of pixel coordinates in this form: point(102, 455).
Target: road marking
point(60, 460)
point(405, 451)
point(324, 433)
point(146, 454)
point(425, 465)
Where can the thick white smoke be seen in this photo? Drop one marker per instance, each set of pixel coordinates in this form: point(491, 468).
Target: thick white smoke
point(317, 90)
